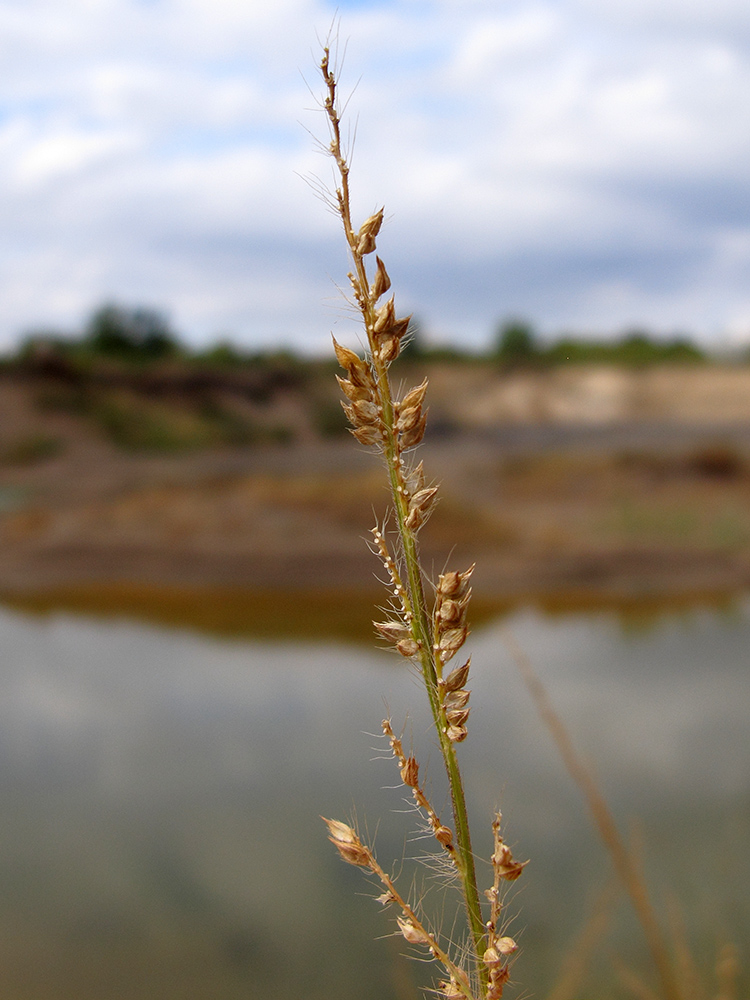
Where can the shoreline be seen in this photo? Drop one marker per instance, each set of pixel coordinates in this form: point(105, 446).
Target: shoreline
point(345, 612)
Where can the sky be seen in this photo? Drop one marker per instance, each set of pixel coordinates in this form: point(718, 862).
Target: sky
point(580, 164)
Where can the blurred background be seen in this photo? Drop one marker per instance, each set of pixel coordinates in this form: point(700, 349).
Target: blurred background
point(188, 674)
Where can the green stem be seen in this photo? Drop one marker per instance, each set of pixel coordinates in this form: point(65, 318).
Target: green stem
point(420, 619)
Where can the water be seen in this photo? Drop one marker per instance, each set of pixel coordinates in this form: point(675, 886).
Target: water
point(161, 793)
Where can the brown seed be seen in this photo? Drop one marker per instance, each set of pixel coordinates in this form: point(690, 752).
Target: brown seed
point(367, 435)
point(456, 700)
point(411, 438)
point(346, 358)
point(394, 631)
point(389, 349)
point(452, 640)
point(410, 772)
point(353, 854)
point(366, 410)
point(506, 945)
point(408, 418)
point(449, 584)
point(415, 397)
point(368, 231)
point(423, 500)
point(400, 327)
point(459, 717)
point(349, 846)
point(407, 648)
point(457, 678)
point(414, 935)
point(444, 835)
point(450, 611)
point(352, 391)
point(385, 317)
point(505, 865)
point(381, 282)
point(457, 734)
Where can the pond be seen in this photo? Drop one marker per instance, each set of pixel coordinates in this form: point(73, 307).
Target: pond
point(160, 831)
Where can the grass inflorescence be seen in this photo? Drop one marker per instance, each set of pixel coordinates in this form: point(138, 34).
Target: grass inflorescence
point(430, 634)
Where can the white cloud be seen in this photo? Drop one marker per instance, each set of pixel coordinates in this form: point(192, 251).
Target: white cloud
point(584, 161)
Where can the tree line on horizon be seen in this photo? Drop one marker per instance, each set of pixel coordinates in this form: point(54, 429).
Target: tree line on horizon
point(139, 335)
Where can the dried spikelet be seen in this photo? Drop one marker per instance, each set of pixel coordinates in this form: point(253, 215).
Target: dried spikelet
point(381, 282)
point(451, 641)
point(456, 700)
point(367, 435)
point(410, 772)
point(385, 898)
point(412, 437)
point(367, 233)
point(415, 397)
point(393, 631)
point(457, 678)
point(408, 647)
point(348, 844)
point(456, 734)
point(458, 717)
point(385, 317)
point(504, 864)
point(451, 611)
point(412, 933)
point(348, 359)
point(454, 584)
point(408, 419)
point(352, 391)
point(365, 411)
point(499, 976)
point(389, 349)
point(420, 506)
point(444, 835)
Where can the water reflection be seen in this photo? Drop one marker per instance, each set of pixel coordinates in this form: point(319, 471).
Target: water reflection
point(159, 830)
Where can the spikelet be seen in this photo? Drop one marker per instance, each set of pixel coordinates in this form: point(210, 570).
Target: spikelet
point(367, 233)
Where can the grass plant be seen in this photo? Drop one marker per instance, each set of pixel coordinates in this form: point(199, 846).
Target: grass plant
point(430, 632)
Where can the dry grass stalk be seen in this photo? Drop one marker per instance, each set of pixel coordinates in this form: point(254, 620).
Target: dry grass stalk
point(624, 861)
point(676, 968)
point(429, 636)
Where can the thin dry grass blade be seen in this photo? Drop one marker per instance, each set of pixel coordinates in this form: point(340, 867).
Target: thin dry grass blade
point(577, 961)
point(625, 866)
point(727, 973)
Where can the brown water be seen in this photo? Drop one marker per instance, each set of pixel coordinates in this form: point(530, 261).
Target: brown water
point(161, 793)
